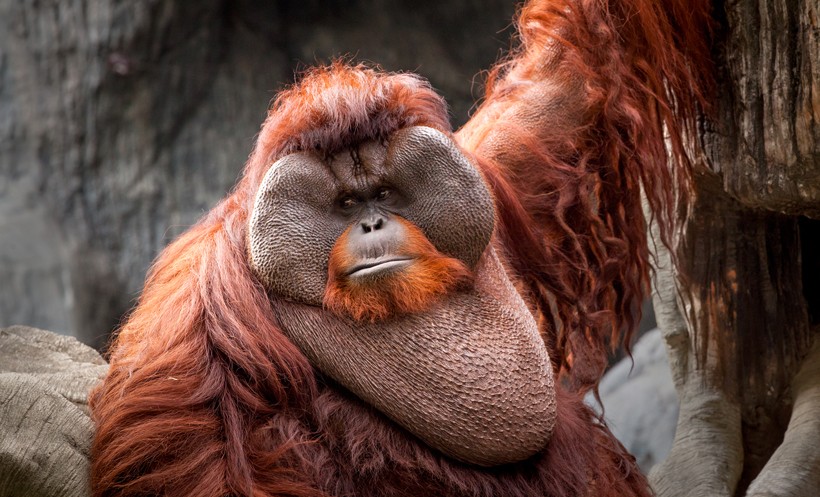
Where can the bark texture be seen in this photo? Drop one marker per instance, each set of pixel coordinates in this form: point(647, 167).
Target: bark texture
point(740, 308)
point(122, 122)
point(766, 143)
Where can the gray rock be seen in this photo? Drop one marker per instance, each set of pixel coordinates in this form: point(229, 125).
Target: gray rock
point(45, 430)
point(121, 123)
point(640, 402)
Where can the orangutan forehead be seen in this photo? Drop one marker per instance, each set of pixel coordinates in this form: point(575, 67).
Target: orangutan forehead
point(361, 164)
point(358, 167)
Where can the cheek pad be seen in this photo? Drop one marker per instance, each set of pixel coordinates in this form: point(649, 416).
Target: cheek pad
point(291, 230)
point(449, 200)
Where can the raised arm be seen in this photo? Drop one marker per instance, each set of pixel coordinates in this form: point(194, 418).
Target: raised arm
point(571, 130)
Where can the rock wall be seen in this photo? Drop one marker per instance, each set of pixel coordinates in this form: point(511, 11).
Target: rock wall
point(121, 123)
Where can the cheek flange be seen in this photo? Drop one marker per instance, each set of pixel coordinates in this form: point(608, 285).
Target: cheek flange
point(449, 200)
point(290, 232)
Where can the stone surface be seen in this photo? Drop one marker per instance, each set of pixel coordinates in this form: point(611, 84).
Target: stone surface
point(121, 123)
point(641, 406)
point(45, 430)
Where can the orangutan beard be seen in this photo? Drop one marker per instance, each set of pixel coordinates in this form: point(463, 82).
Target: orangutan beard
point(409, 289)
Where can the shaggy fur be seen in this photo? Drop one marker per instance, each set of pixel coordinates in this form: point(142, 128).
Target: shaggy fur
point(206, 397)
point(612, 78)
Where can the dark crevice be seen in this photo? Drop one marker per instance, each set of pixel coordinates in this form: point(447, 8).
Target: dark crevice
point(755, 92)
point(810, 253)
point(723, 121)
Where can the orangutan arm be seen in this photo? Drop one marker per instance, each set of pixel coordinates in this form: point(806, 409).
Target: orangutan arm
point(571, 131)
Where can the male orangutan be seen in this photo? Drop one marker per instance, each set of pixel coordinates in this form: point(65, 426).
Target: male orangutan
point(383, 307)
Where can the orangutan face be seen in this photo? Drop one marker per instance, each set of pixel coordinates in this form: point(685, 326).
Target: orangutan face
point(380, 262)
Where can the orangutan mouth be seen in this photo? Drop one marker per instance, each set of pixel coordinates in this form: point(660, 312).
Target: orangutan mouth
point(376, 266)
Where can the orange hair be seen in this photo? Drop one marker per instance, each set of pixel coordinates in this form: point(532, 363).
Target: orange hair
point(206, 397)
point(413, 289)
point(201, 365)
point(569, 192)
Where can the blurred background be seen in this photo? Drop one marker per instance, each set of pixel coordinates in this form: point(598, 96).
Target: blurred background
point(121, 123)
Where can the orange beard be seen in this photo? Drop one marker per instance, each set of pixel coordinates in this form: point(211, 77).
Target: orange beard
point(410, 289)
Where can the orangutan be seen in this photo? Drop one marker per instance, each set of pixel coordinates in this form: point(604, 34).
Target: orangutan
point(383, 307)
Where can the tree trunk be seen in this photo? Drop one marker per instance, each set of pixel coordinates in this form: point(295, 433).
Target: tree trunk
point(740, 308)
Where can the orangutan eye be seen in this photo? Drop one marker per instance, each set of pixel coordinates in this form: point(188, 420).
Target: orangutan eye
point(383, 194)
point(348, 202)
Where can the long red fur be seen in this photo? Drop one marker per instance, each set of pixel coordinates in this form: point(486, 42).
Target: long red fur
point(206, 397)
point(569, 190)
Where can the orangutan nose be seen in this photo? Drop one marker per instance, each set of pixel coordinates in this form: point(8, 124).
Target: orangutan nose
point(372, 224)
point(376, 236)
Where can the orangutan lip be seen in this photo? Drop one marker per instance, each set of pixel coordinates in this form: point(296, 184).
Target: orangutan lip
point(374, 266)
